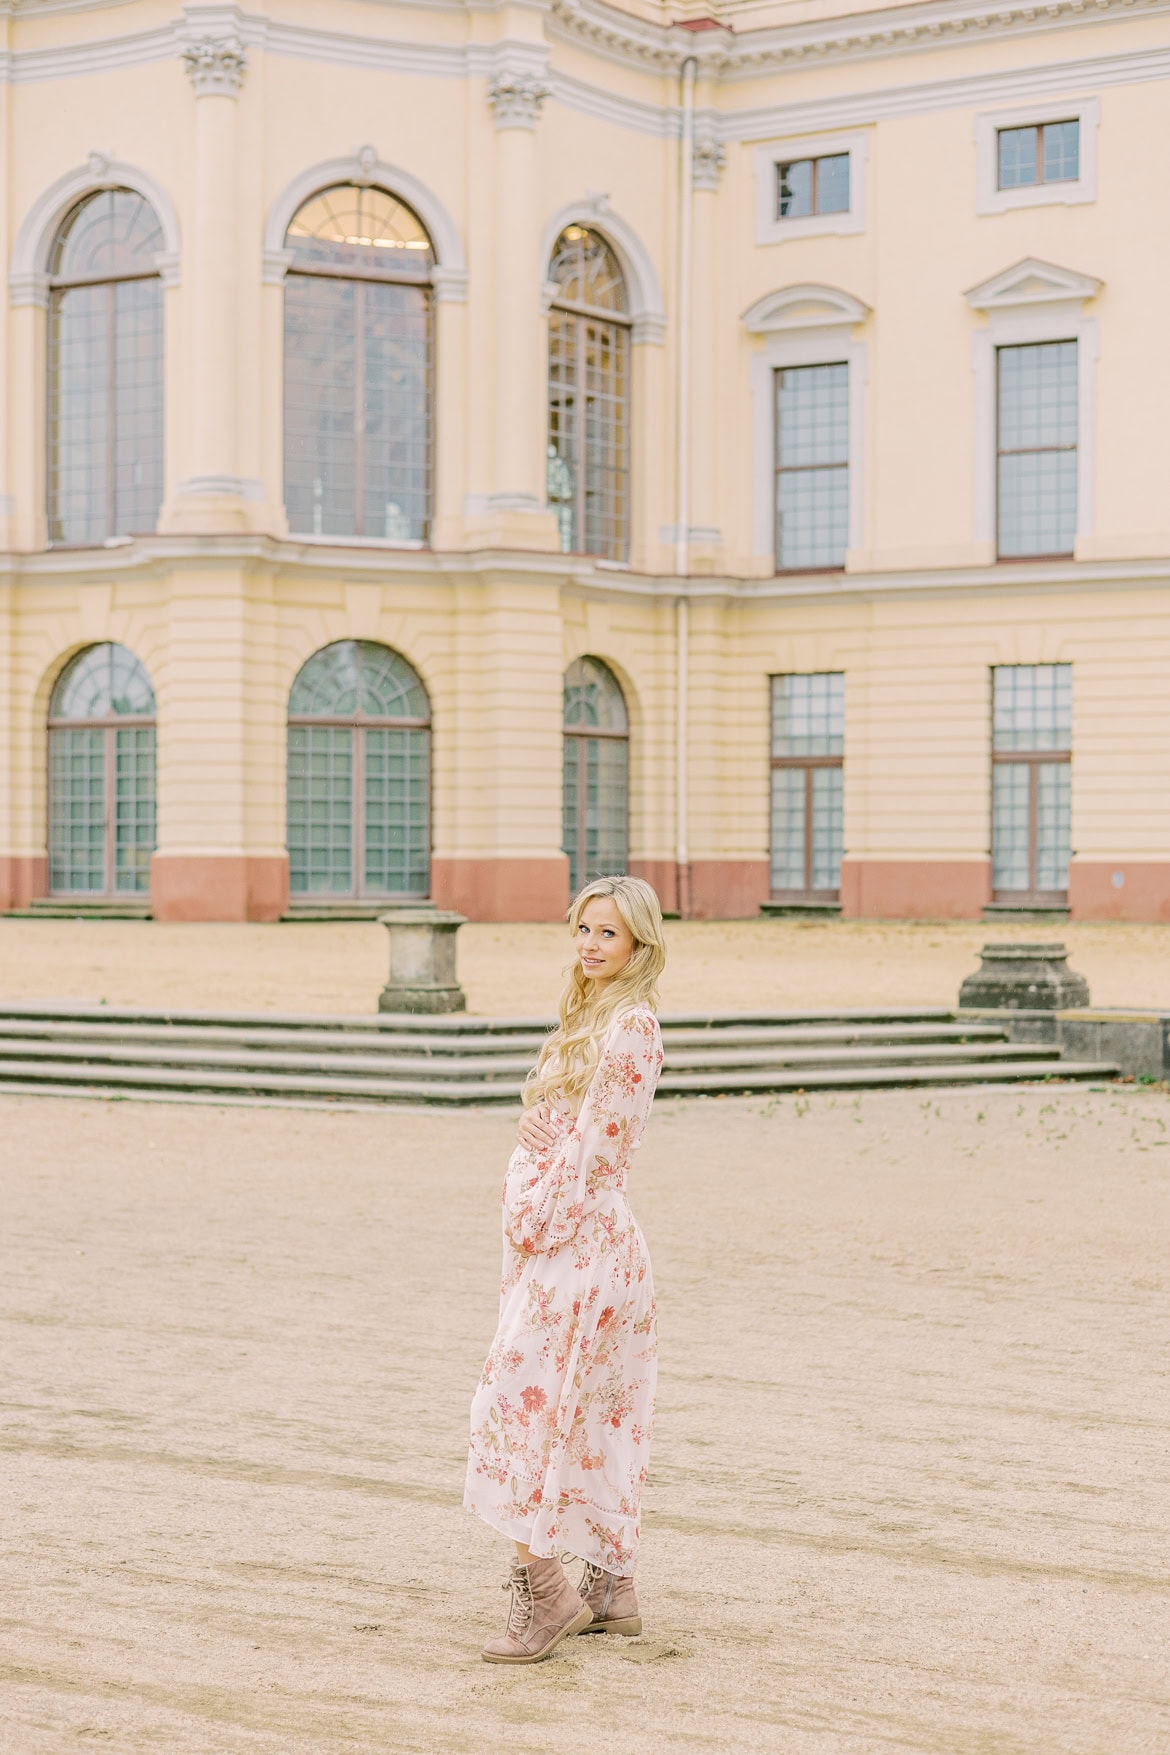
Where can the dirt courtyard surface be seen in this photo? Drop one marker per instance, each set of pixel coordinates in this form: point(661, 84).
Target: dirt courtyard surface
point(909, 1483)
point(752, 965)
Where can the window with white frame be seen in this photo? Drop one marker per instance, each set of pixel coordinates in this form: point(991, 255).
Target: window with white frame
point(1031, 815)
point(812, 187)
point(1048, 152)
point(812, 466)
point(806, 186)
point(1036, 156)
point(1036, 464)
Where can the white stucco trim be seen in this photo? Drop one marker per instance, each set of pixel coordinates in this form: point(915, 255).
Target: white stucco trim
point(769, 229)
point(643, 286)
point(28, 270)
point(990, 198)
point(363, 166)
point(818, 343)
point(1057, 321)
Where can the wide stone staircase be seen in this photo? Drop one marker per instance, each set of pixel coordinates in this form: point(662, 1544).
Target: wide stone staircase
point(103, 1051)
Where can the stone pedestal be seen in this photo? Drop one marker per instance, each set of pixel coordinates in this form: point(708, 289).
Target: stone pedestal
point(422, 961)
point(1024, 978)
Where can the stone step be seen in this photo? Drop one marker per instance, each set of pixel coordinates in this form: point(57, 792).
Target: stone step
point(461, 1024)
point(678, 1039)
point(508, 1068)
point(48, 1078)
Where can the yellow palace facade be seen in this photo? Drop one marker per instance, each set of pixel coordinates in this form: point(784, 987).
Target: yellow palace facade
point(452, 448)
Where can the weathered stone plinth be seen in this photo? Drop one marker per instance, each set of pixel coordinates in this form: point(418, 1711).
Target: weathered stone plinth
point(1025, 978)
point(422, 961)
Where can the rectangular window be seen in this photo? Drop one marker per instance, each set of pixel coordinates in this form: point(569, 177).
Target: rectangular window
point(808, 745)
point(808, 186)
point(812, 467)
point(1048, 153)
point(1031, 783)
point(1037, 449)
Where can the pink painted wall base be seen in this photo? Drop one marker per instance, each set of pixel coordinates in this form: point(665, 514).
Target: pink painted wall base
point(503, 889)
point(913, 889)
point(231, 887)
point(1142, 894)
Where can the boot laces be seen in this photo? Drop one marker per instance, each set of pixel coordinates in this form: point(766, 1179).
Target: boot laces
point(520, 1612)
point(589, 1578)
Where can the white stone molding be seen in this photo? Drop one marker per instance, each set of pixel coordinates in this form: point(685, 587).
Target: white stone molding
point(990, 198)
point(216, 65)
point(770, 229)
point(643, 287)
point(450, 285)
point(235, 487)
point(1033, 302)
point(516, 96)
point(360, 168)
point(804, 326)
point(803, 307)
point(1032, 282)
point(707, 161)
point(28, 270)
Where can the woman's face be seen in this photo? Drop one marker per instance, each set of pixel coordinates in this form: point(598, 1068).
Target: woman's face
point(605, 943)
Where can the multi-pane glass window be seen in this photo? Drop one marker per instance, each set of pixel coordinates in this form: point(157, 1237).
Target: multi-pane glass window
point(359, 745)
point(808, 746)
point(105, 400)
point(596, 798)
point(588, 471)
point(101, 776)
point(1030, 782)
point(358, 368)
point(1049, 153)
point(807, 186)
point(1037, 461)
point(812, 466)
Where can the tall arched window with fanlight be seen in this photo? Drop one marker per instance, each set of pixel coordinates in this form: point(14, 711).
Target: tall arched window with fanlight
point(359, 746)
point(105, 403)
point(596, 797)
point(101, 775)
point(588, 477)
point(358, 368)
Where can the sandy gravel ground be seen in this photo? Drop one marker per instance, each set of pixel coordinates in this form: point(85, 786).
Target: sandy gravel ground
point(752, 964)
point(910, 1474)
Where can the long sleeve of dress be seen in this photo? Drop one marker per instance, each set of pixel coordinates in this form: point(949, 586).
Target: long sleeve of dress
point(550, 1192)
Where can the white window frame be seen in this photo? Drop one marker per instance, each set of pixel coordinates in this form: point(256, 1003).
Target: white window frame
point(990, 198)
point(804, 326)
point(770, 229)
point(1034, 302)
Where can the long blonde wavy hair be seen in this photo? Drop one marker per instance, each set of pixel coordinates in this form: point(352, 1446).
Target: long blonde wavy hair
point(569, 1057)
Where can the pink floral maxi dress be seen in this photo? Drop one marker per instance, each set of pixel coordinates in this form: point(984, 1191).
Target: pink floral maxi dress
point(560, 1421)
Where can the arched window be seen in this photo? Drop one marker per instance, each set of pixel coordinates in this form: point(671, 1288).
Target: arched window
point(596, 798)
point(589, 397)
point(105, 413)
point(358, 368)
point(101, 775)
point(359, 744)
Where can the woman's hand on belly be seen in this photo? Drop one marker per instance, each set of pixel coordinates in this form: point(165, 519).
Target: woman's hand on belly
point(537, 1130)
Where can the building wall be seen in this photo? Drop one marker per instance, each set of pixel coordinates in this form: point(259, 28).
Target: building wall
point(223, 606)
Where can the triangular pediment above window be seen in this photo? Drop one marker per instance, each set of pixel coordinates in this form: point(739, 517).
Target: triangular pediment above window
point(1032, 282)
point(803, 307)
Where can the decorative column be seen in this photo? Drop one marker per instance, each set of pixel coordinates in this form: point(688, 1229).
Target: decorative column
point(213, 496)
point(704, 536)
point(516, 514)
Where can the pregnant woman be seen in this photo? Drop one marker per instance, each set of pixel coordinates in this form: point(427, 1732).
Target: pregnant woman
point(560, 1422)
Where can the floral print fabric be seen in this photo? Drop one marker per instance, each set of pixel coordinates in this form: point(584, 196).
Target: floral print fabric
point(560, 1421)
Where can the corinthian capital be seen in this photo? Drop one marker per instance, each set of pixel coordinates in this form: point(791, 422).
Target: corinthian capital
point(216, 65)
point(516, 99)
point(708, 161)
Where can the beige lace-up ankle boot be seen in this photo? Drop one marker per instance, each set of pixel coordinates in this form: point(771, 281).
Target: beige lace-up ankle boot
point(545, 1609)
point(612, 1601)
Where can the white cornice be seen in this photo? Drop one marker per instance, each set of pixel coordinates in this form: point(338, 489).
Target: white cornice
point(1032, 282)
point(155, 555)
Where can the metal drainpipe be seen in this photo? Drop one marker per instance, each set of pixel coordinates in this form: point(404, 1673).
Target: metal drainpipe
point(689, 71)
